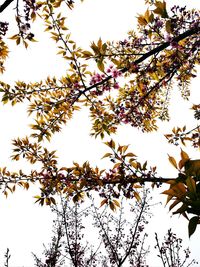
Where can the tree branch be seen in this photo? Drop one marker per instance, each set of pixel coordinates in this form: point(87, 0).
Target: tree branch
point(5, 5)
point(148, 54)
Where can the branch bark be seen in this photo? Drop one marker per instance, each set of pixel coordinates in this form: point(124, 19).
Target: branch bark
point(5, 5)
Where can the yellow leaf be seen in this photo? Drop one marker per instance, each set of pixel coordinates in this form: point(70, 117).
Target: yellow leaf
point(124, 148)
point(87, 54)
point(161, 9)
point(33, 16)
point(107, 155)
point(116, 165)
point(146, 15)
point(172, 161)
point(14, 37)
point(112, 144)
point(134, 164)
point(116, 203)
point(137, 196)
point(137, 186)
point(112, 206)
point(142, 21)
point(48, 201)
point(99, 43)
point(18, 39)
point(130, 154)
point(184, 156)
point(154, 76)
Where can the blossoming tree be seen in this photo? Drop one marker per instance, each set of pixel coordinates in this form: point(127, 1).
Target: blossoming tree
point(131, 84)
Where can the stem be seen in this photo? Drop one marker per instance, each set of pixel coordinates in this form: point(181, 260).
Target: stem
point(135, 230)
point(159, 249)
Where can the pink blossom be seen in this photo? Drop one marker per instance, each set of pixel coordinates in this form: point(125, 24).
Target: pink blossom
point(116, 86)
point(116, 73)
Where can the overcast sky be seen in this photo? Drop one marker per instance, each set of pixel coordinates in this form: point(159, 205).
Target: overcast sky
point(24, 226)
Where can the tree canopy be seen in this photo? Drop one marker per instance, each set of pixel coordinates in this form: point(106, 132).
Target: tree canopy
point(130, 84)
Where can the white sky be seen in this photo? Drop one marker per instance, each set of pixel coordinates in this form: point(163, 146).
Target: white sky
point(24, 226)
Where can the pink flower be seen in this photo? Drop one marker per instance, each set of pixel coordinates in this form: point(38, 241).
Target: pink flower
point(96, 78)
point(116, 86)
point(168, 38)
point(116, 73)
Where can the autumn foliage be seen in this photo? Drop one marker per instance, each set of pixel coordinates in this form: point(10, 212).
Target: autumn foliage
point(130, 85)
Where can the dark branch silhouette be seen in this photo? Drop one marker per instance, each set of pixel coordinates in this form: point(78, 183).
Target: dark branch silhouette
point(5, 5)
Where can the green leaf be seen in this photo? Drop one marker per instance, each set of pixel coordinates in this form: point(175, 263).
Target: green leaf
point(192, 225)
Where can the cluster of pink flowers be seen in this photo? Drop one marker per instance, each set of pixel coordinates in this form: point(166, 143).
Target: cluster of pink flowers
point(76, 85)
point(97, 78)
point(115, 73)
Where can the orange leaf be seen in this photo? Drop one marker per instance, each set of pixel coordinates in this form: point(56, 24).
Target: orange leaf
point(184, 156)
point(103, 202)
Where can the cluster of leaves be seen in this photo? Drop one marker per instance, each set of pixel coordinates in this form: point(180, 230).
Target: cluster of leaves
point(182, 135)
point(3, 54)
point(25, 15)
point(149, 62)
point(125, 177)
point(185, 190)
